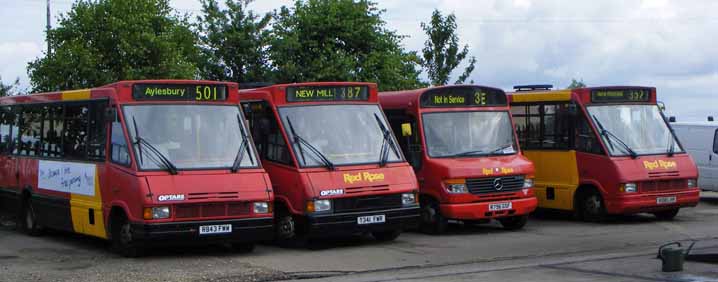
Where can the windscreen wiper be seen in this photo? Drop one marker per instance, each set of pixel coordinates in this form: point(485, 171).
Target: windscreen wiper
point(301, 141)
point(609, 135)
point(387, 142)
point(469, 153)
point(162, 161)
point(243, 147)
point(501, 148)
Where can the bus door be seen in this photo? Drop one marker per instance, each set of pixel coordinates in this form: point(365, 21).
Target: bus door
point(273, 150)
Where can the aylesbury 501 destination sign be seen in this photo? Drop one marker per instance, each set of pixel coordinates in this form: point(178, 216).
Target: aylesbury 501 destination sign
point(180, 92)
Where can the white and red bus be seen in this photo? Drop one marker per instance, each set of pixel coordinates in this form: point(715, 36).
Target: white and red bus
point(135, 162)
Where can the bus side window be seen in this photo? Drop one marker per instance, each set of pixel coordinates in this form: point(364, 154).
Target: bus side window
point(7, 126)
point(74, 140)
point(97, 131)
point(410, 145)
point(52, 128)
point(586, 140)
point(30, 130)
point(118, 145)
point(715, 142)
point(543, 126)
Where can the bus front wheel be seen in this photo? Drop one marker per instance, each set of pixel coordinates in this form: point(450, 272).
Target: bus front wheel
point(123, 241)
point(432, 222)
point(591, 207)
point(667, 214)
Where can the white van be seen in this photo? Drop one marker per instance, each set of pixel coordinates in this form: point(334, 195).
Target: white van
point(700, 140)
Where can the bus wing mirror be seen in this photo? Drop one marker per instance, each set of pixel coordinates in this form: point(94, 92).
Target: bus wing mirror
point(405, 129)
point(111, 114)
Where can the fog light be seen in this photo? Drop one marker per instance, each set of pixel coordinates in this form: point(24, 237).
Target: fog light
point(630, 188)
point(692, 183)
point(261, 207)
point(408, 199)
point(528, 182)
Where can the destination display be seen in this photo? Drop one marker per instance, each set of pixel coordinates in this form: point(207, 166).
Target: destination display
point(327, 93)
point(180, 92)
point(620, 95)
point(463, 97)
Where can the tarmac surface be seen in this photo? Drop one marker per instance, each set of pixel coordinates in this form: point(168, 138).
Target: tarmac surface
point(552, 247)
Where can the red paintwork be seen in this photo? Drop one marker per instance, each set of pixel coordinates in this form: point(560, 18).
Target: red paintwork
point(435, 171)
point(607, 173)
point(294, 185)
point(127, 187)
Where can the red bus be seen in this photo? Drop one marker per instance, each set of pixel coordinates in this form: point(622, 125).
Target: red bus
point(603, 150)
point(137, 162)
point(461, 142)
point(333, 161)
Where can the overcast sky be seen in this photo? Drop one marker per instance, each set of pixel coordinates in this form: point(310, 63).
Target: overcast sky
point(667, 44)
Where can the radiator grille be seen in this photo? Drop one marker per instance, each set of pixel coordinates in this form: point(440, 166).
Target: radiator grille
point(211, 210)
point(486, 185)
point(367, 203)
point(663, 185)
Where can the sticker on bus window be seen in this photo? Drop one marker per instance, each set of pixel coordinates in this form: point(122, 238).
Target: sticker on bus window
point(74, 178)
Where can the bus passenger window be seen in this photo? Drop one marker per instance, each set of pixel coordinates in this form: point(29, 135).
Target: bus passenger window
point(75, 137)
point(98, 132)
point(715, 142)
point(586, 140)
point(30, 127)
point(7, 128)
point(267, 135)
point(118, 146)
point(52, 126)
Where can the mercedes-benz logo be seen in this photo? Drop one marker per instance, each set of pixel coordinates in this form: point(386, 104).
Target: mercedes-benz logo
point(498, 184)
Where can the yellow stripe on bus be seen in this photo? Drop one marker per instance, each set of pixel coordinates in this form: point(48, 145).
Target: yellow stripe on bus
point(558, 170)
point(560, 95)
point(83, 94)
point(81, 206)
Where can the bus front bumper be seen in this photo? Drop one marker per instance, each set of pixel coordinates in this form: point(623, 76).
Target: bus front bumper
point(347, 223)
point(648, 202)
point(244, 230)
point(482, 210)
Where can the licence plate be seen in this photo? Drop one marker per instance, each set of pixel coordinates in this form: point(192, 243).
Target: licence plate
point(371, 219)
point(500, 206)
point(215, 229)
point(666, 200)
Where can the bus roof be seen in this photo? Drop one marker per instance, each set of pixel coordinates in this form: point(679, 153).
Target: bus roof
point(406, 98)
point(582, 95)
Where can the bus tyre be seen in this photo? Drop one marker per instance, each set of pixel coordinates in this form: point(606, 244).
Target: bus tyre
point(667, 214)
point(123, 241)
point(592, 208)
point(243, 248)
point(386, 236)
point(28, 219)
point(432, 222)
point(514, 222)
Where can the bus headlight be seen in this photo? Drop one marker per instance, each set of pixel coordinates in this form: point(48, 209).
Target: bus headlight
point(528, 182)
point(261, 207)
point(319, 205)
point(456, 186)
point(156, 212)
point(692, 183)
point(408, 199)
point(629, 187)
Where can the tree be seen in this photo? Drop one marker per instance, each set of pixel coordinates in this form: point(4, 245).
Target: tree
point(340, 40)
point(233, 42)
point(9, 89)
point(576, 84)
point(441, 50)
point(102, 41)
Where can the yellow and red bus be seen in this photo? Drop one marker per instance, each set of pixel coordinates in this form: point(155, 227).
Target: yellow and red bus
point(461, 142)
point(140, 163)
point(603, 150)
point(333, 161)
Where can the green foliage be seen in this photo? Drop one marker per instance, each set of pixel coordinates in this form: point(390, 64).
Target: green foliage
point(9, 89)
point(441, 50)
point(234, 42)
point(576, 84)
point(102, 41)
point(340, 40)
